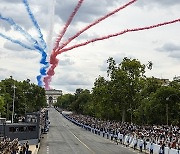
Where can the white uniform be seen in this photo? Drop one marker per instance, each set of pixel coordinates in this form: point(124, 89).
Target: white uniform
point(120, 137)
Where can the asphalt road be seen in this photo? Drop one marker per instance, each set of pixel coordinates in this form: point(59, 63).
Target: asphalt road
point(66, 138)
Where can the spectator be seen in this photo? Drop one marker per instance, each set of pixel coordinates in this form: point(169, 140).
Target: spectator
point(141, 145)
point(161, 150)
point(151, 148)
point(9, 147)
point(168, 136)
point(135, 143)
point(27, 147)
point(23, 148)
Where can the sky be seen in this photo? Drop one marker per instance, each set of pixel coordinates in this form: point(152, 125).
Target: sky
point(78, 68)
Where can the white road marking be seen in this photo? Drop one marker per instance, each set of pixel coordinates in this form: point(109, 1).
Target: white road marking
point(82, 142)
point(47, 149)
point(47, 145)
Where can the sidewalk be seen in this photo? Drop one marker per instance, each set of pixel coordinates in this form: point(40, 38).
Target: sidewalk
point(34, 149)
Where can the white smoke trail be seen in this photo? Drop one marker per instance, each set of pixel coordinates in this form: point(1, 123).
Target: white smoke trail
point(51, 12)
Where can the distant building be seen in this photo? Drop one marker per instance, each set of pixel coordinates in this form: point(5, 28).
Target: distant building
point(52, 95)
point(176, 78)
point(27, 129)
point(164, 82)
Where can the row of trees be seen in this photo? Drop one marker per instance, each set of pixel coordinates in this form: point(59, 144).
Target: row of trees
point(127, 95)
point(27, 97)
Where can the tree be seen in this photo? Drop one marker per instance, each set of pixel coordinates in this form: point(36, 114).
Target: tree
point(2, 109)
point(28, 97)
point(144, 111)
point(65, 101)
point(159, 107)
point(101, 99)
point(81, 98)
point(126, 79)
point(127, 95)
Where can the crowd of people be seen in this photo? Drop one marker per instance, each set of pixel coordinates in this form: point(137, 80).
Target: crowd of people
point(9, 146)
point(44, 121)
point(126, 133)
point(13, 147)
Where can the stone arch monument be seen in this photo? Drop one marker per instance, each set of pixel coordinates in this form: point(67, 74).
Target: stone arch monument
point(52, 95)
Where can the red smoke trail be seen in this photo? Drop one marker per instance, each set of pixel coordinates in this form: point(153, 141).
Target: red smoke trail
point(117, 34)
point(67, 24)
point(96, 22)
point(54, 60)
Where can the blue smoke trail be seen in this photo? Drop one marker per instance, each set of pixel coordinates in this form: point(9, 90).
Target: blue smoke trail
point(43, 43)
point(43, 72)
point(36, 46)
point(16, 42)
point(39, 80)
point(35, 24)
point(43, 61)
point(19, 28)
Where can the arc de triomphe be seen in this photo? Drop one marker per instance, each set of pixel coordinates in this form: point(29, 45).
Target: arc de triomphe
point(52, 95)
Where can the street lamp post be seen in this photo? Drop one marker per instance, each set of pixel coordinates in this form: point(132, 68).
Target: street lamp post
point(25, 106)
point(14, 91)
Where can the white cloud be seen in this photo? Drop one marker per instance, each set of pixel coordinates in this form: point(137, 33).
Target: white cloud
point(169, 47)
point(172, 49)
point(65, 62)
point(70, 81)
point(12, 46)
point(160, 3)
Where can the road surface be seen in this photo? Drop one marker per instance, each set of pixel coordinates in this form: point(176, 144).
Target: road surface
point(65, 137)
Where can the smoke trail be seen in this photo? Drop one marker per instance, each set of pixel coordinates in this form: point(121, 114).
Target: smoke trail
point(39, 77)
point(35, 24)
point(19, 28)
point(54, 60)
point(35, 47)
point(27, 35)
point(43, 54)
point(68, 23)
point(96, 22)
point(43, 61)
point(51, 11)
point(42, 73)
point(16, 42)
point(117, 34)
point(43, 43)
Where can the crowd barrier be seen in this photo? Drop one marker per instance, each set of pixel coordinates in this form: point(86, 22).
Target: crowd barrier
point(156, 147)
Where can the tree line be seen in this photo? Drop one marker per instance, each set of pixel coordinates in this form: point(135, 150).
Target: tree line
point(27, 97)
point(127, 95)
